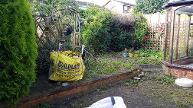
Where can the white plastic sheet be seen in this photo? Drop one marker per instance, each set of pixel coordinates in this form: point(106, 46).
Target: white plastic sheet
point(108, 103)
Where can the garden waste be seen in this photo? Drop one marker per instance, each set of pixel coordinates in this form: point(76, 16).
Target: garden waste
point(66, 66)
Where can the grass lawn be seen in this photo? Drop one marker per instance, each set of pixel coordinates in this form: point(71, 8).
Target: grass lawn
point(110, 63)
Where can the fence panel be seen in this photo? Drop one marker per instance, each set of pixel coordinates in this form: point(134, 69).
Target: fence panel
point(155, 39)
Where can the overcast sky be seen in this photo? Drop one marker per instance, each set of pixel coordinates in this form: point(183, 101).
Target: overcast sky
point(102, 2)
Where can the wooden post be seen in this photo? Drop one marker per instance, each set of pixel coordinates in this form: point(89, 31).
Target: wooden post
point(74, 31)
point(177, 38)
point(158, 18)
point(189, 23)
point(172, 37)
point(166, 36)
point(79, 38)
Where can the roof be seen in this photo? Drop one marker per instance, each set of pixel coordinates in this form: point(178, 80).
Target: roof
point(178, 3)
point(84, 3)
point(125, 3)
point(184, 6)
point(185, 10)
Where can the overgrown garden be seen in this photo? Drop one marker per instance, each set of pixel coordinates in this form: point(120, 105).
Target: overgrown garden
point(106, 35)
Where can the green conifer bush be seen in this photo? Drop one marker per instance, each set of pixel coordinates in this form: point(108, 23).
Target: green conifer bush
point(18, 49)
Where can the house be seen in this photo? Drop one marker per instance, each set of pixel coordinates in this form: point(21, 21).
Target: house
point(84, 5)
point(117, 6)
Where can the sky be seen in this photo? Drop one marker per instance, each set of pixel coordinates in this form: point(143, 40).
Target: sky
point(102, 2)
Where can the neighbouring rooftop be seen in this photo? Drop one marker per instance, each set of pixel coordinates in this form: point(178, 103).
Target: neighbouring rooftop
point(185, 6)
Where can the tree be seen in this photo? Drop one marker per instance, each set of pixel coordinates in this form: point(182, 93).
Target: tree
point(55, 16)
point(149, 6)
point(54, 7)
point(18, 49)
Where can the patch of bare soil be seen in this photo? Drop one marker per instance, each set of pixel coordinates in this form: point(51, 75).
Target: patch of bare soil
point(132, 98)
point(135, 95)
point(152, 91)
point(181, 97)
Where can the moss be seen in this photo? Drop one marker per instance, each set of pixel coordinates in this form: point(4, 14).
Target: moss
point(18, 49)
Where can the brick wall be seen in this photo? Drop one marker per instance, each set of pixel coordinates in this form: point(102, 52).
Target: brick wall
point(178, 72)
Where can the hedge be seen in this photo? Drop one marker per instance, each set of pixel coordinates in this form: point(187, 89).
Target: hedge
point(140, 30)
point(18, 50)
point(96, 29)
point(104, 31)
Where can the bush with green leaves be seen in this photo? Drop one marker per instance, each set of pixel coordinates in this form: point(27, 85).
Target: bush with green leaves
point(18, 49)
point(140, 30)
point(54, 7)
point(149, 6)
point(103, 31)
point(96, 31)
point(57, 15)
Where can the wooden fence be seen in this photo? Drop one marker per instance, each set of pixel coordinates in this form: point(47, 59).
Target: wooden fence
point(155, 39)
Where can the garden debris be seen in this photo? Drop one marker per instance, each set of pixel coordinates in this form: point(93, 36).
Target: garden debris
point(139, 76)
point(136, 78)
point(125, 53)
point(184, 82)
point(65, 84)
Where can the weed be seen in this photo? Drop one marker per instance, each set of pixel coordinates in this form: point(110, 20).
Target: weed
point(132, 82)
point(110, 63)
point(162, 88)
point(166, 79)
point(42, 106)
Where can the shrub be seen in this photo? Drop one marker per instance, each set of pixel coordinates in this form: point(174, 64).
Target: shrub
point(43, 58)
point(57, 15)
point(149, 6)
point(103, 31)
point(18, 49)
point(140, 30)
point(96, 30)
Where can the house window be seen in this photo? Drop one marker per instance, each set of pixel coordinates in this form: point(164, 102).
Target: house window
point(126, 8)
point(41, 1)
